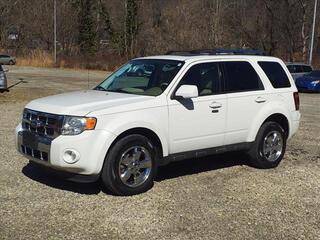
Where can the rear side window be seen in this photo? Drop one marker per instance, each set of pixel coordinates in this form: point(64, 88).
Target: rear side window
point(307, 69)
point(294, 68)
point(276, 74)
point(241, 76)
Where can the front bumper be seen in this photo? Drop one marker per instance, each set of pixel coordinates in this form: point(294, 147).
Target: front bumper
point(74, 177)
point(92, 147)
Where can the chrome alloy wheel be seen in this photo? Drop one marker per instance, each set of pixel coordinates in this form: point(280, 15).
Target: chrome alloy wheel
point(272, 146)
point(135, 166)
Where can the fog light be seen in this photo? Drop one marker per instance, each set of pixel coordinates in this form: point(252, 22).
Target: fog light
point(71, 156)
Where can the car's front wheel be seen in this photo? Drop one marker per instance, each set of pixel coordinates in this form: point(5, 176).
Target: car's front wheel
point(269, 147)
point(130, 166)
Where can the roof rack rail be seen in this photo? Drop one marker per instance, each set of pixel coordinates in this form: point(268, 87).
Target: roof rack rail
point(218, 51)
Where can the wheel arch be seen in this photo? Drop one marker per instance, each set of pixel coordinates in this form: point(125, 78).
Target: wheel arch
point(279, 117)
point(281, 120)
point(146, 132)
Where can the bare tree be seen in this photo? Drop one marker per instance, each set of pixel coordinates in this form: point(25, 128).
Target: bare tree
point(141, 27)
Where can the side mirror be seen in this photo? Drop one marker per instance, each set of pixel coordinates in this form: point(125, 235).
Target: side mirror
point(187, 91)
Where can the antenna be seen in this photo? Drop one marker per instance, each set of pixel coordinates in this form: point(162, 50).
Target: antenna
point(55, 30)
point(313, 30)
point(88, 78)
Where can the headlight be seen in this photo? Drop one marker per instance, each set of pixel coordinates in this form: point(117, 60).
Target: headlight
point(315, 82)
point(76, 125)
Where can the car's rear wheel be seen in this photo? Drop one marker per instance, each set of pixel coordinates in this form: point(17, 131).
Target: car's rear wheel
point(11, 62)
point(130, 166)
point(269, 147)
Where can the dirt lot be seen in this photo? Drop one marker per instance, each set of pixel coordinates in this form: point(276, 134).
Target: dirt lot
point(218, 197)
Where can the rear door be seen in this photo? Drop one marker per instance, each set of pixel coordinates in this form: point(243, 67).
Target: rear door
point(245, 96)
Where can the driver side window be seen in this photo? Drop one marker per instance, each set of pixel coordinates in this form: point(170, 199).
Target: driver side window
point(206, 76)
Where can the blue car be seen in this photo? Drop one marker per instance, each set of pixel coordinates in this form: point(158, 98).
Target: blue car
point(309, 82)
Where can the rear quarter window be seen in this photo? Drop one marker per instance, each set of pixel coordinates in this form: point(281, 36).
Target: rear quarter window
point(277, 76)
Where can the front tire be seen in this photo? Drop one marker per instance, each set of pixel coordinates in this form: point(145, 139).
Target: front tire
point(269, 147)
point(130, 166)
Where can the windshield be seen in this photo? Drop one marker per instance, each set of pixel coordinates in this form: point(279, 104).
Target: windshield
point(314, 74)
point(144, 77)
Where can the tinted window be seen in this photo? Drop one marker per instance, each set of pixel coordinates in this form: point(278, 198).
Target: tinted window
point(292, 68)
point(241, 76)
point(276, 74)
point(307, 69)
point(298, 69)
point(206, 76)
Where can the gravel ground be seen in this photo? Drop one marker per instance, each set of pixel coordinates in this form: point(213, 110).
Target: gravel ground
point(217, 197)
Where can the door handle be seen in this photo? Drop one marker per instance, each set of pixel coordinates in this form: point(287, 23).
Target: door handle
point(260, 100)
point(215, 105)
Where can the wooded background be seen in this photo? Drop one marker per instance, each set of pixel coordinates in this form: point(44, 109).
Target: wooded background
point(111, 31)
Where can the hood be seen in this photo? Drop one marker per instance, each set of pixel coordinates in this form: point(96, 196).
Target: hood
point(81, 103)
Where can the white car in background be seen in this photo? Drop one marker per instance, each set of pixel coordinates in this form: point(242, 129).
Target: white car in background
point(7, 60)
point(181, 106)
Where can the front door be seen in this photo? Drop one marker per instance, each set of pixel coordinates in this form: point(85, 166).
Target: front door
point(198, 123)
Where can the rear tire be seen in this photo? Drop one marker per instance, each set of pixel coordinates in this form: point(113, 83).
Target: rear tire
point(130, 166)
point(269, 147)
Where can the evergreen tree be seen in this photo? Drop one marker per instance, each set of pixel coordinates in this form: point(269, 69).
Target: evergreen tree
point(132, 26)
point(87, 35)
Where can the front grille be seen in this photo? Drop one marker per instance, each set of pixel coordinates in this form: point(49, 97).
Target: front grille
point(35, 153)
point(42, 124)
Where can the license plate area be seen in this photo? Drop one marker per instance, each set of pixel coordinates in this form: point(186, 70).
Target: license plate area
point(30, 140)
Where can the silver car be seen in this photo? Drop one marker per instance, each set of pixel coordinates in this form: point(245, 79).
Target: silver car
point(3, 80)
point(298, 69)
point(7, 60)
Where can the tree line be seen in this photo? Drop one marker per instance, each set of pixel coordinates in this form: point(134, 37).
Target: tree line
point(142, 27)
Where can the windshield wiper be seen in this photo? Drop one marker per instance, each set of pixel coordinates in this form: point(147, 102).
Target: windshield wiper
point(119, 90)
point(99, 88)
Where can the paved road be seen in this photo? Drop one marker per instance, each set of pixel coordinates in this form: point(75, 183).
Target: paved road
point(217, 197)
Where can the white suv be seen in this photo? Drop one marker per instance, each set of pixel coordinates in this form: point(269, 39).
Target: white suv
point(159, 109)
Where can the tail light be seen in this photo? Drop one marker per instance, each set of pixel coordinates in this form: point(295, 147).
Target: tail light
point(296, 100)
